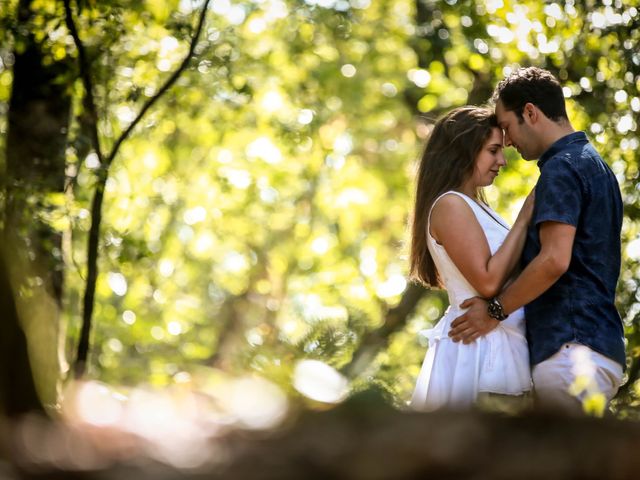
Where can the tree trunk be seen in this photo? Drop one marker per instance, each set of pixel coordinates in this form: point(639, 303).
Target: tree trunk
point(375, 341)
point(38, 121)
point(17, 390)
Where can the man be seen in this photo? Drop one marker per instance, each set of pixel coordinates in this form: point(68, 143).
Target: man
point(571, 257)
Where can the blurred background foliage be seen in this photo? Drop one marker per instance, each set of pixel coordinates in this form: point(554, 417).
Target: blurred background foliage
point(258, 213)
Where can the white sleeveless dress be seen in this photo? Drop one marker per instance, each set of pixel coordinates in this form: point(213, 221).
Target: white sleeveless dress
point(453, 374)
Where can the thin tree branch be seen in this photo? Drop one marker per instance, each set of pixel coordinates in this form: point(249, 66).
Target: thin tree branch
point(376, 340)
point(103, 172)
point(85, 74)
point(170, 81)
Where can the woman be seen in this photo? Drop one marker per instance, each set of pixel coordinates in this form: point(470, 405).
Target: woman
point(460, 244)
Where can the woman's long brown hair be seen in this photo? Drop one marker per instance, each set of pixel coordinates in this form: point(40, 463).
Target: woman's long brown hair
point(447, 162)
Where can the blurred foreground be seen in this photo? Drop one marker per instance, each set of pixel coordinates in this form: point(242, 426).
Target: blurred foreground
point(164, 435)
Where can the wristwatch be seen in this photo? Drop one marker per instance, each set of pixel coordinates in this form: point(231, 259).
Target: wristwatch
point(495, 309)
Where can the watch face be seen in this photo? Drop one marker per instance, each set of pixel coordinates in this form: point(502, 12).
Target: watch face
point(494, 309)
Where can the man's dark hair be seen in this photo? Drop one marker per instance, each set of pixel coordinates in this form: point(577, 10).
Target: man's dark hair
point(532, 85)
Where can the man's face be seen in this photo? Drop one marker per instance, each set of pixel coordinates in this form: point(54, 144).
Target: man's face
point(517, 132)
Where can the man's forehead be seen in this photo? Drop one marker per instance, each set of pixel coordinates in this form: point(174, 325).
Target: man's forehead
point(501, 112)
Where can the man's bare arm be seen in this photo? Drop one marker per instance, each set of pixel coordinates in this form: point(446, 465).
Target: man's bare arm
point(556, 240)
point(545, 269)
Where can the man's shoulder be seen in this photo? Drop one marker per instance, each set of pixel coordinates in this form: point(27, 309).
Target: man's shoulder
point(581, 159)
point(565, 161)
point(574, 151)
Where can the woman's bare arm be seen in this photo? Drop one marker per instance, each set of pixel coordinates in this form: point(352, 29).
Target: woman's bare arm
point(455, 227)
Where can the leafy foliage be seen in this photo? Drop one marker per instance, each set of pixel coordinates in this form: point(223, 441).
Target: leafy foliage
point(258, 214)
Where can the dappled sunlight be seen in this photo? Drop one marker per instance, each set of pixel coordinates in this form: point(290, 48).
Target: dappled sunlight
point(348, 70)
point(98, 405)
point(320, 245)
point(117, 283)
point(314, 310)
point(419, 76)
point(238, 178)
point(392, 286)
point(305, 116)
point(272, 101)
point(319, 381)
point(254, 403)
point(626, 124)
point(234, 13)
point(633, 249)
point(368, 262)
point(265, 149)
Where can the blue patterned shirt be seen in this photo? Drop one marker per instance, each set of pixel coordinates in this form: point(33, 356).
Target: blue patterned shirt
point(576, 187)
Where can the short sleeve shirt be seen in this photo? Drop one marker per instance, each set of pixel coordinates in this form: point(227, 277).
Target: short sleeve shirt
point(576, 187)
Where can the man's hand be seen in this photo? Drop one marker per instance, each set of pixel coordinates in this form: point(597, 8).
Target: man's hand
point(474, 323)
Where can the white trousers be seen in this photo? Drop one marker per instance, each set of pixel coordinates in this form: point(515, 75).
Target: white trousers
point(572, 375)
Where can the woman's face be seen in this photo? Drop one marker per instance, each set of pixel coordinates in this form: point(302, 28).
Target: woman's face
point(489, 160)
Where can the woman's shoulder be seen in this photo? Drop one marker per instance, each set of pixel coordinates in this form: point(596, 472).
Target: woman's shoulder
point(449, 209)
point(451, 202)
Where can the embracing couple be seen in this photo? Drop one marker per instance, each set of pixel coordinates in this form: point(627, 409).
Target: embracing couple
point(530, 304)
